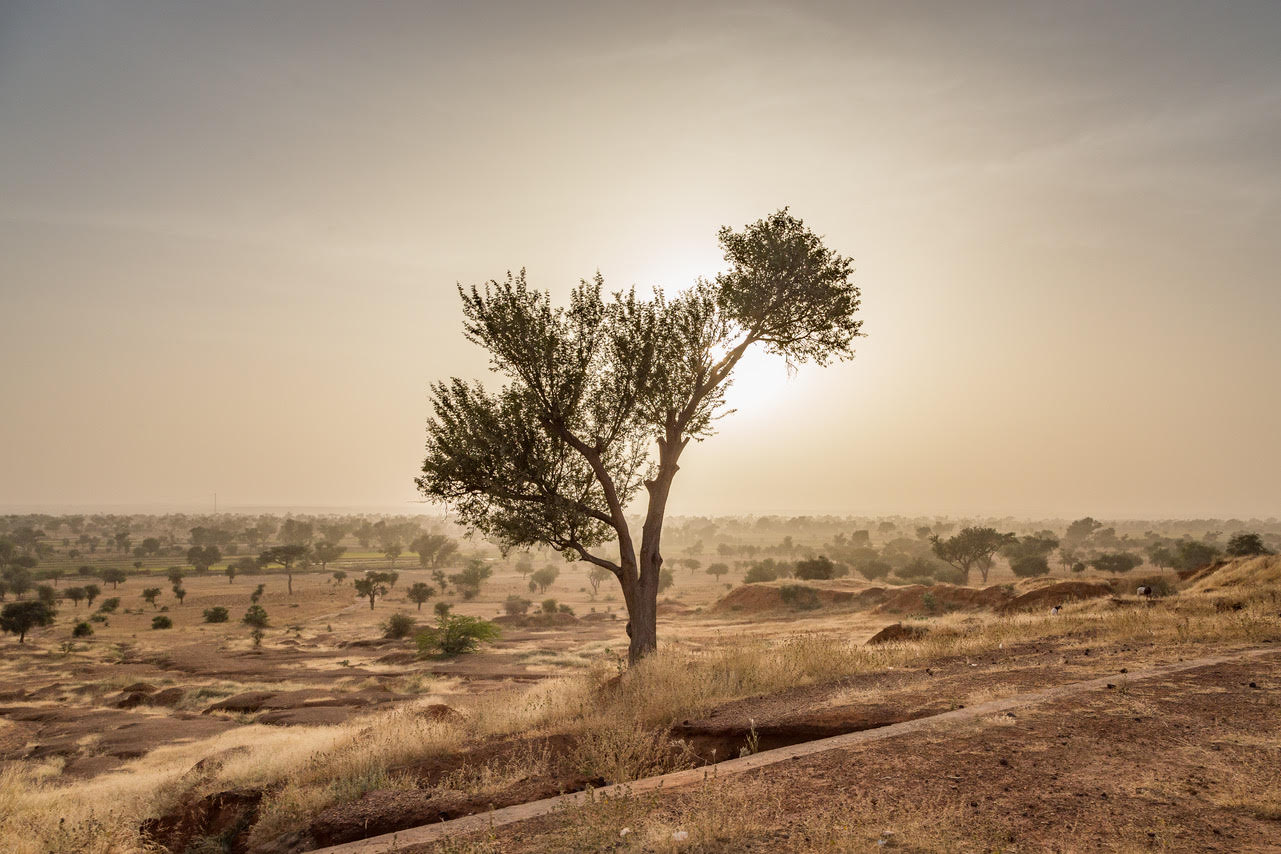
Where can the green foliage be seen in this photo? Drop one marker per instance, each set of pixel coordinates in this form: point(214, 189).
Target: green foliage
point(553, 457)
point(969, 548)
point(815, 569)
point(455, 634)
point(82, 630)
point(665, 579)
point(874, 569)
point(398, 626)
point(326, 552)
point(216, 614)
point(160, 621)
point(419, 592)
point(471, 577)
point(113, 576)
point(109, 606)
point(549, 606)
point(433, 550)
point(1116, 562)
point(1030, 566)
point(373, 585)
point(716, 570)
point(203, 557)
point(541, 579)
point(1247, 545)
point(516, 606)
point(75, 594)
point(799, 597)
point(149, 594)
point(18, 618)
point(256, 617)
point(759, 572)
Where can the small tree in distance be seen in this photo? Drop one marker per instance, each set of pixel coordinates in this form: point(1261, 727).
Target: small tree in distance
point(969, 548)
point(256, 618)
point(18, 618)
point(419, 592)
point(1247, 545)
point(373, 585)
point(150, 594)
point(716, 570)
point(285, 556)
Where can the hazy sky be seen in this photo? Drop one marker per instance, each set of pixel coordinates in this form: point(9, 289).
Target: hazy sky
point(230, 234)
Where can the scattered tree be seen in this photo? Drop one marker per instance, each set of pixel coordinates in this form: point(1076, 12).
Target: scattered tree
point(256, 619)
point(544, 578)
point(373, 585)
point(1247, 545)
point(18, 618)
point(969, 548)
point(216, 614)
point(114, 576)
point(419, 592)
point(161, 622)
point(815, 569)
point(398, 626)
point(455, 634)
point(555, 457)
point(324, 552)
point(75, 594)
point(150, 594)
point(516, 606)
point(716, 570)
point(1116, 562)
point(286, 556)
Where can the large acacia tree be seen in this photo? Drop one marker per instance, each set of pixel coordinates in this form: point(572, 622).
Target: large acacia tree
point(604, 394)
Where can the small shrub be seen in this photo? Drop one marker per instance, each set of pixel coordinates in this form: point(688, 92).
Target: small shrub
point(216, 614)
point(760, 573)
point(161, 622)
point(516, 606)
point(98, 618)
point(398, 626)
point(455, 634)
point(874, 569)
point(1030, 566)
point(82, 630)
point(815, 569)
point(798, 597)
point(109, 606)
point(549, 606)
point(1161, 586)
point(565, 609)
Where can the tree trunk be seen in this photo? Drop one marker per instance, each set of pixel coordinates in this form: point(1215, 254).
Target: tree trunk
point(289, 576)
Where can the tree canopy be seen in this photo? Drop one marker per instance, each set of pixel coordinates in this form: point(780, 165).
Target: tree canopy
point(603, 396)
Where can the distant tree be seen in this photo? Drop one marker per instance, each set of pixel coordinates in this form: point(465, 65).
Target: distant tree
point(1032, 545)
point(1161, 556)
point(338, 576)
point(19, 578)
point(1116, 562)
point(373, 585)
point(150, 594)
point(473, 575)
point(716, 570)
point(1081, 530)
point(760, 572)
point(1247, 545)
point(549, 606)
point(325, 552)
point(92, 591)
point(54, 574)
point(75, 594)
point(442, 582)
point(1193, 554)
point(114, 576)
point(161, 622)
point(419, 593)
point(82, 630)
point(203, 557)
point(443, 609)
point(971, 547)
point(286, 556)
point(334, 531)
point(595, 576)
point(150, 546)
point(544, 578)
point(175, 575)
point(257, 594)
point(691, 563)
point(179, 593)
point(230, 572)
point(516, 606)
point(874, 569)
point(109, 606)
point(256, 619)
point(123, 542)
point(46, 593)
point(392, 551)
point(525, 565)
point(18, 618)
point(1030, 566)
point(666, 578)
point(817, 568)
point(295, 532)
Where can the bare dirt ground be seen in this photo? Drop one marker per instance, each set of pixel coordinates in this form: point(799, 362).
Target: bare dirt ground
point(1191, 762)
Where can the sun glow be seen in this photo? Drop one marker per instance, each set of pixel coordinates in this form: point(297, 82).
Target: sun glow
point(760, 383)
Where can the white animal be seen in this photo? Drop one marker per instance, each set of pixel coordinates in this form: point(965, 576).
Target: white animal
point(1055, 610)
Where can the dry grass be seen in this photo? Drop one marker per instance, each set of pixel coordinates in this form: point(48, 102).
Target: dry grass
point(619, 728)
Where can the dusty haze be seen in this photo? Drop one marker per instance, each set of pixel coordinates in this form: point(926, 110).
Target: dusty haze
point(230, 234)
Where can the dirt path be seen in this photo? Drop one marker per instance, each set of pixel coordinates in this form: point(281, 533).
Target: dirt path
point(426, 834)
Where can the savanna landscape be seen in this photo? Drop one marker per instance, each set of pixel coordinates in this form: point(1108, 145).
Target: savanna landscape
point(554, 426)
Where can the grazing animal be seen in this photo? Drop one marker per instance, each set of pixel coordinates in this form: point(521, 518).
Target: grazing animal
point(1144, 590)
point(1055, 610)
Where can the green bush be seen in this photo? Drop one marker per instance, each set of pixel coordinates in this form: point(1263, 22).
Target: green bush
point(109, 606)
point(455, 634)
point(798, 597)
point(815, 569)
point(216, 614)
point(874, 569)
point(1030, 566)
point(549, 606)
point(161, 623)
point(565, 609)
point(398, 626)
point(516, 606)
point(759, 573)
point(82, 630)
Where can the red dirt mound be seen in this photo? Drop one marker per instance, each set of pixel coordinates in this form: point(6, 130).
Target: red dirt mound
point(946, 597)
point(1045, 598)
